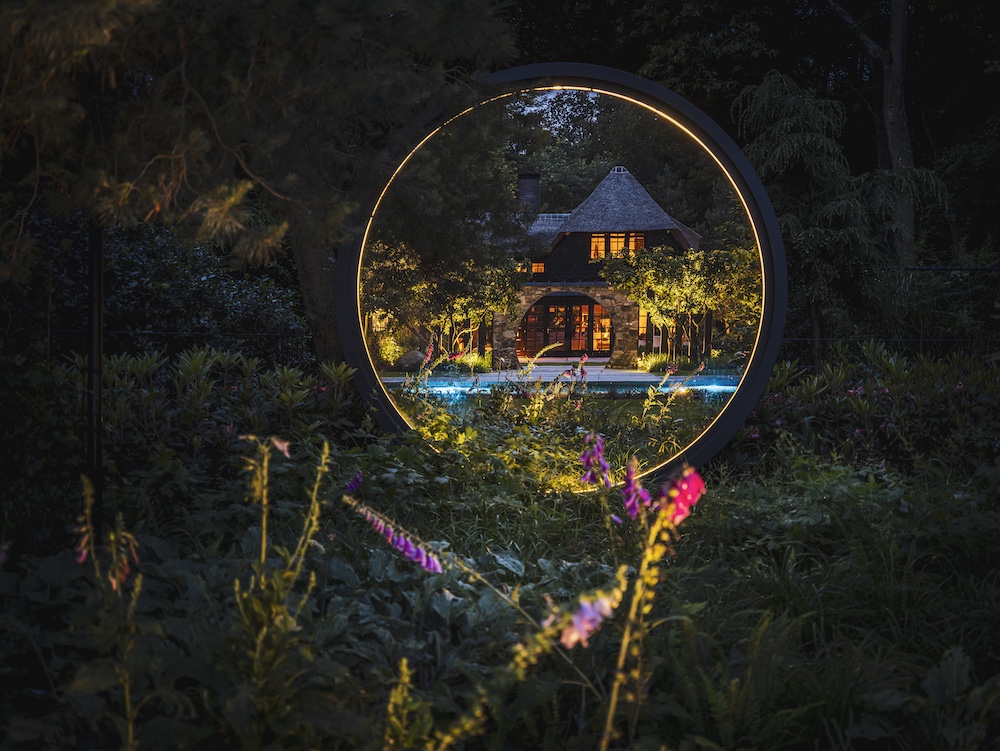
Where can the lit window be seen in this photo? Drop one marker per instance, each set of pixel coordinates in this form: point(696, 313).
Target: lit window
point(617, 244)
point(638, 241)
point(597, 246)
point(537, 267)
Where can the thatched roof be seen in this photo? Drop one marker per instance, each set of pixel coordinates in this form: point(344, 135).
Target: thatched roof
point(619, 204)
point(546, 226)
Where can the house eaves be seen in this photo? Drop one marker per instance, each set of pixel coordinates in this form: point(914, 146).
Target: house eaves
point(620, 204)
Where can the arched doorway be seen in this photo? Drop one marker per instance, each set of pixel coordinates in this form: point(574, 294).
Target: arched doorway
point(576, 324)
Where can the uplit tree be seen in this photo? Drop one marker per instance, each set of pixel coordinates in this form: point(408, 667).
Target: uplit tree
point(447, 235)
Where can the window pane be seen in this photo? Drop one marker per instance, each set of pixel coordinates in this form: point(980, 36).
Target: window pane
point(638, 241)
point(597, 246)
point(602, 329)
point(617, 244)
point(531, 334)
point(557, 324)
point(581, 321)
point(537, 267)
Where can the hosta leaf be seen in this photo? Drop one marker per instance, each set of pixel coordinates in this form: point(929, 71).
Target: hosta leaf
point(343, 572)
point(94, 677)
point(510, 562)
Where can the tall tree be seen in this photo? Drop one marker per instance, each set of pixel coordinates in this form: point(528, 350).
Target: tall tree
point(259, 124)
point(830, 219)
point(890, 59)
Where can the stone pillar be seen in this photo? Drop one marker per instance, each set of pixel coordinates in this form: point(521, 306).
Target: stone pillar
point(505, 342)
point(625, 318)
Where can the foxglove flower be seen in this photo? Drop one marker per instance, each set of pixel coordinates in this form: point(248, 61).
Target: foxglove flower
point(586, 620)
point(283, 446)
point(82, 547)
point(355, 482)
point(411, 550)
point(633, 493)
point(679, 495)
point(594, 462)
point(427, 357)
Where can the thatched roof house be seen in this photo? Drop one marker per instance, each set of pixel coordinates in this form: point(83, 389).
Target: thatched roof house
point(618, 204)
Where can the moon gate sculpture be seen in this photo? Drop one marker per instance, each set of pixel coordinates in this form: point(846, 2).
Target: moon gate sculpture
point(711, 142)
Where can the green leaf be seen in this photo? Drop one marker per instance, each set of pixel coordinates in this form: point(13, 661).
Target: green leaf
point(343, 572)
point(240, 709)
point(510, 562)
point(94, 677)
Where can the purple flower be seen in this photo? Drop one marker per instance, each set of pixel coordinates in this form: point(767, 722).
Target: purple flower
point(83, 544)
point(411, 550)
point(586, 621)
point(633, 493)
point(355, 482)
point(594, 462)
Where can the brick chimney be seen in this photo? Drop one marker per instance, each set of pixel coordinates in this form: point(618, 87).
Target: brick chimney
point(528, 191)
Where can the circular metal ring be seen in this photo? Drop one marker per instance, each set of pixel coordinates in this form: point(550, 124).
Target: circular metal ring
point(709, 136)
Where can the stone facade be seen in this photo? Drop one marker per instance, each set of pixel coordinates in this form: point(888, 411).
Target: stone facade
point(624, 315)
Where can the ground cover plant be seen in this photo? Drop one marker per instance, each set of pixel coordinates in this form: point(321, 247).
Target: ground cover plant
point(638, 423)
point(266, 572)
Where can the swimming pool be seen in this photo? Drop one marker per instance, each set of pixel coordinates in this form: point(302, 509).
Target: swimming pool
point(709, 386)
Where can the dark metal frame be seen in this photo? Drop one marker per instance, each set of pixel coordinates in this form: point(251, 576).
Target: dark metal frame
point(726, 153)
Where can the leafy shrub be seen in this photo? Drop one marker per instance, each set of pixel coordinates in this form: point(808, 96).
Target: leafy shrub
point(161, 295)
point(819, 597)
point(881, 406)
point(171, 431)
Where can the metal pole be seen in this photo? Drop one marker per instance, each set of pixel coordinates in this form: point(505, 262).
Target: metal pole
point(95, 463)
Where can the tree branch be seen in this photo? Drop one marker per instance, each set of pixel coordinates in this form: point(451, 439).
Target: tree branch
point(876, 52)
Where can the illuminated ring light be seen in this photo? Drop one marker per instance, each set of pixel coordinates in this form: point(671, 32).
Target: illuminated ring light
point(703, 131)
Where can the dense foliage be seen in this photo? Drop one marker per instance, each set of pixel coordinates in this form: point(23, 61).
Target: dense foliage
point(836, 585)
point(161, 294)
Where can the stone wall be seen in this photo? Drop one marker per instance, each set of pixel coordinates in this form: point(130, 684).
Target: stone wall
point(624, 317)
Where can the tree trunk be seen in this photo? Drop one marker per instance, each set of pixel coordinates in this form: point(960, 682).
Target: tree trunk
point(317, 270)
point(898, 131)
point(894, 123)
point(709, 324)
